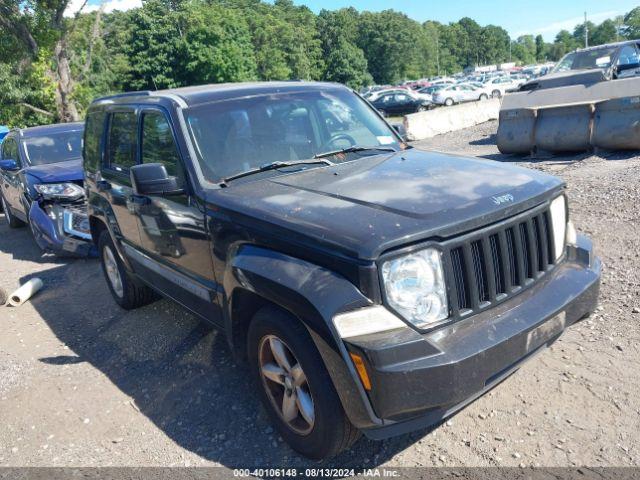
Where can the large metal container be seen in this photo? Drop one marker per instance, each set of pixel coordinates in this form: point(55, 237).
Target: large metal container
point(516, 130)
point(616, 124)
point(564, 129)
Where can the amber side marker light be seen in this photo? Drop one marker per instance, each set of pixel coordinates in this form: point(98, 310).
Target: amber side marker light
point(362, 371)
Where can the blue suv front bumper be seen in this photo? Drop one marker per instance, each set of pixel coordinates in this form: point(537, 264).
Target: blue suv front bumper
point(61, 229)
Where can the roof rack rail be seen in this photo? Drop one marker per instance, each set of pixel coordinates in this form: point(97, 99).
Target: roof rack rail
point(125, 94)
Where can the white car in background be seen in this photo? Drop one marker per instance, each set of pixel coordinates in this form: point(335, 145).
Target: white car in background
point(498, 86)
point(462, 92)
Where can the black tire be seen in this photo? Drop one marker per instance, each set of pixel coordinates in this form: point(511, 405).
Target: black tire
point(448, 102)
point(496, 94)
point(332, 432)
point(483, 96)
point(423, 108)
point(132, 292)
point(12, 221)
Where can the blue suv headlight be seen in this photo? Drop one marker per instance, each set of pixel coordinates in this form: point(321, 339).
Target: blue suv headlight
point(64, 191)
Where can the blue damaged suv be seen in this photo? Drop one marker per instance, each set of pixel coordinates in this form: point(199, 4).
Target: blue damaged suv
point(41, 184)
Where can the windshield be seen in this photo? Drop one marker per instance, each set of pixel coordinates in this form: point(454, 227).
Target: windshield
point(53, 148)
point(599, 58)
point(237, 135)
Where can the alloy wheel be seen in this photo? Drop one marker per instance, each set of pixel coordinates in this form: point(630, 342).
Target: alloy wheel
point(113, 272)
point(286, 384)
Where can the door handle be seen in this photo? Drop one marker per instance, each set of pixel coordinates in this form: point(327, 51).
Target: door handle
point(103, 185)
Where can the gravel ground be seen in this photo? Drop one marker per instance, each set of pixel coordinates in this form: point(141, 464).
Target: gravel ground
point(83, 383)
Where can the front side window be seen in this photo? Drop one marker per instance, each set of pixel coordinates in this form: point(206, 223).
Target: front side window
point(236, 135)
point(158, 144)
point(588, 59)
point(121, 153)
point(10, 149)
point(628, 56)
point(54, 147)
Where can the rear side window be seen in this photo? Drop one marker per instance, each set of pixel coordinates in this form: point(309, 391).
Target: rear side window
point(93, 129)
point(121, 154)
point(158, 144)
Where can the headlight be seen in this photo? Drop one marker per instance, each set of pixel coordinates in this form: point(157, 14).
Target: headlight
point(414, 287)
point(60, 190)
point(558, 211)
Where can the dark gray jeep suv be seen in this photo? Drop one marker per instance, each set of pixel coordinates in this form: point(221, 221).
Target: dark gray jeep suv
point(372, 287)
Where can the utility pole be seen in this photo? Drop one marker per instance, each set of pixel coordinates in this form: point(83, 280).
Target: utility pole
point(438, 50)
point(586, 31)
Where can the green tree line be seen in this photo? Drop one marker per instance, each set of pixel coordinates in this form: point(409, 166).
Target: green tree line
point(53, 65)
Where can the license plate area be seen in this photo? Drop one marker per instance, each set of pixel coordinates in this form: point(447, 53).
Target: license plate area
point(545, 332)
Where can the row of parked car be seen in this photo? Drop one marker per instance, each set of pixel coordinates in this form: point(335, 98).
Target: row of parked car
point(372, 287)
point(404, 99)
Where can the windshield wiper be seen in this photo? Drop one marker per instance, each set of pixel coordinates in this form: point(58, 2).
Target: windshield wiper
point(274, 166)
point(353, 149)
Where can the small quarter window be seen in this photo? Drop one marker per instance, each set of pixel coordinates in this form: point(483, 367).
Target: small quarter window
point(94, 128)
point(122, 141)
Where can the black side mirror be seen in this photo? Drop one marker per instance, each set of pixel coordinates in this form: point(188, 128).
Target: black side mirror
point(400, 130)
point(9, 165)
point(153, 179)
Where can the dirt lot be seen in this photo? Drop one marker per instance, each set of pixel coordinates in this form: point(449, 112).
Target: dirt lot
point(83, 383)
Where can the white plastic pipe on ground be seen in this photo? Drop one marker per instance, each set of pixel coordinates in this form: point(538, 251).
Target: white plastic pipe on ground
point(25, 292)
point(449, 119)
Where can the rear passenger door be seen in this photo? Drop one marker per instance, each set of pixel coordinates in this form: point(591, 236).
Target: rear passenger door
point(121, 153)
point(175, 242)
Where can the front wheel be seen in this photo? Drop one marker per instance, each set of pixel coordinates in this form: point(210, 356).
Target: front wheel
point(448, 102)
point(11, 219)
point(423, 108)
point(496, 94)
point(295, 387)
point(127, 291)
point(483, 96)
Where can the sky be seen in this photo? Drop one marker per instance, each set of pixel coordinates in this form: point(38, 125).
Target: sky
point(518, 17)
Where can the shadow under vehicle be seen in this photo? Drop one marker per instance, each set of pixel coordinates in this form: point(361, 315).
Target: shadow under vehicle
point(371, 287)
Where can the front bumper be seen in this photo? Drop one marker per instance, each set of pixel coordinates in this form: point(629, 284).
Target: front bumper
point(55, 229)
point(420, 379)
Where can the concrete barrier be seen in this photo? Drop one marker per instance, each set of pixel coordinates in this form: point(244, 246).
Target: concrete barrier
point(449, 119)
point(573, 118)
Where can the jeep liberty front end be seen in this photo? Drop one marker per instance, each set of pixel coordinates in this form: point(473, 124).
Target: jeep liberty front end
point(373, 287)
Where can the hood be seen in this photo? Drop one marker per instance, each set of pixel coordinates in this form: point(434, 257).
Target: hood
point(377, 203)
point(564, 79)
point(69, 171)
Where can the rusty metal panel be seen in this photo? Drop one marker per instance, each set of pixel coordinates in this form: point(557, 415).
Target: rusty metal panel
point(564, 129)
point(516, 130)
point(616, 124)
